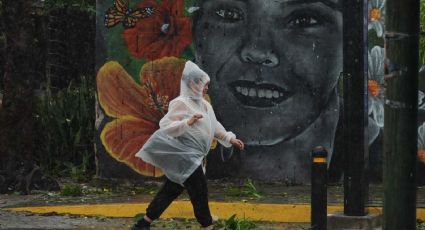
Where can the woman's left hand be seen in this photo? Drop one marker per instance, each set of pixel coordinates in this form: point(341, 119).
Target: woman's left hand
point(237, 143)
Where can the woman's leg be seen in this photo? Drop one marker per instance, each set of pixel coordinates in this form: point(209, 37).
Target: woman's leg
point(161, 201)
point(169, 192)
point(196, 186)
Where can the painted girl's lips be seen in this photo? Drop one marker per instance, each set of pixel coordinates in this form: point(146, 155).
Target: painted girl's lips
point(259, 95)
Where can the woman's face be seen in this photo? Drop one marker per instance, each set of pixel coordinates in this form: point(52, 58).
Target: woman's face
point(273, 63)
point(199, 87)
point(205, 90)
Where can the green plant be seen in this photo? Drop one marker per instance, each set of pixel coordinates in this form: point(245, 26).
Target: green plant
point(233, 223)
point(250, 189)
point(420, 225)
point(65, 127)
point(80, 172)
point(146, 189)
point(247, 190)
point(72, 190)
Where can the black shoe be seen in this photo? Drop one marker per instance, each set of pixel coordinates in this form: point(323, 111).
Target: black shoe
point(141, 224)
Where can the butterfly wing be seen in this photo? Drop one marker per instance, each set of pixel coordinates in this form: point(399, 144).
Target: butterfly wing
point(117, 13)
point(121, 5)
point(135, 15)
point(113, 17)
point(143, 12)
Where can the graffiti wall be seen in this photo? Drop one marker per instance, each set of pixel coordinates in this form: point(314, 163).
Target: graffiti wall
point(275, 72)
point(376, 94)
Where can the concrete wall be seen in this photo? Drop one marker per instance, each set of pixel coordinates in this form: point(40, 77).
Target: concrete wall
point(274, 66)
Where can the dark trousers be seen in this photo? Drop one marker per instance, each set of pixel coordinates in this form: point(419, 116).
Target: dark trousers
point(196, 186)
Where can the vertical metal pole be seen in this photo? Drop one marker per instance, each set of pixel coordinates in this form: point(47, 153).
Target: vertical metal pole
point(319, 190)
point(355, 107)
point(400, 127)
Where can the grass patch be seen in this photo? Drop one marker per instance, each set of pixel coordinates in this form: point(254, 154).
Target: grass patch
point(146, 189)
point(233, 223)
point(72, 190)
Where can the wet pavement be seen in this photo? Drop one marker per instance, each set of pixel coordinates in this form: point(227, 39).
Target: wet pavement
point(101, 192)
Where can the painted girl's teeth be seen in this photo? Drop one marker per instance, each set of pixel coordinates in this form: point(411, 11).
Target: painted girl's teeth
point(260, 93)
point(269, 94)
point(252, 92)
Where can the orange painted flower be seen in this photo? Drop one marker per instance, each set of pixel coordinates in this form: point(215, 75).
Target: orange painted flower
point(373, 87)
point(421, 155)
point(375, 14)
point(164, 34)
point(136, 109)
point(376, 22)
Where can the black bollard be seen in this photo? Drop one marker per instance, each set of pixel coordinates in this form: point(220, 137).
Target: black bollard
point(319, 178)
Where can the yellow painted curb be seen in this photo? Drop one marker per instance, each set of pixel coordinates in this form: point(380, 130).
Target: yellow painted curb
point(294, 213)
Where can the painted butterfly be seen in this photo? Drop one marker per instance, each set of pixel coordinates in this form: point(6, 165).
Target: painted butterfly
point(121, 12)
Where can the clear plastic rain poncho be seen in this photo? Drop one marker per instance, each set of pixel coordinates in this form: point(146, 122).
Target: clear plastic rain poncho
point(178, 148)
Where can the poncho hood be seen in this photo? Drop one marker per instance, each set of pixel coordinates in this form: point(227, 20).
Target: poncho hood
point(193, 81)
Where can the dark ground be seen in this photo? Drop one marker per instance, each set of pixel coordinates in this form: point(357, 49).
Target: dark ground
point(99, 191)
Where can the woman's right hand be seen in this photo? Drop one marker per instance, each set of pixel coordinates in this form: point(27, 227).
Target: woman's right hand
point(237, 143)
point(194, 118)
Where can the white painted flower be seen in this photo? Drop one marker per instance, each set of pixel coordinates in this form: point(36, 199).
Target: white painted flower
point(375, 83)
point(376, 11)
point(421, 136)
point(421, 95)
point(193, 9)
point(421, 101)
point(373, 130)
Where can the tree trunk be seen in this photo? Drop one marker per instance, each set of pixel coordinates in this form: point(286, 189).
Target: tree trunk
point(400, 132)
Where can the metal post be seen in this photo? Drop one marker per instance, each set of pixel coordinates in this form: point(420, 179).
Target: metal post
point(319, 178)
point(355, 107)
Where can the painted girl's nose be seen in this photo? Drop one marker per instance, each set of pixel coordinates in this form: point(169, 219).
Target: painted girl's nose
point(256, 55)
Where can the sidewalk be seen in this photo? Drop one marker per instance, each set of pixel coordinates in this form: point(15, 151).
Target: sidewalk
point(106, 206)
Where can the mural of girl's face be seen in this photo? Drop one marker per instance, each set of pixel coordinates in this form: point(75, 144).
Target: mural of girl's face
point(274, 64)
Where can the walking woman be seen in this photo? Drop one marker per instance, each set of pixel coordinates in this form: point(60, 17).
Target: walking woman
point(180, 145)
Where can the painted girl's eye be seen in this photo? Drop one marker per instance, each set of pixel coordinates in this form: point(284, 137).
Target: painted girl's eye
point(303, 21)
point(229, 15)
